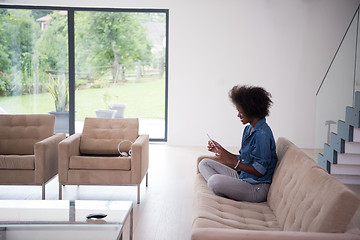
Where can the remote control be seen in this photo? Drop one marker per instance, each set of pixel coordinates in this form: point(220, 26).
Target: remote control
point(96, 215)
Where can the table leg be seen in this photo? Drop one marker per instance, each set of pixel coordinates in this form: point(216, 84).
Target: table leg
point(43, 191)
point(131, 230)
point(131, 223)
point(60, 191)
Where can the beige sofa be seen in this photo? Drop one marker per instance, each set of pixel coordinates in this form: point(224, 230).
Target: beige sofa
point(28, 149)
point(304, 202)
point(92, 157)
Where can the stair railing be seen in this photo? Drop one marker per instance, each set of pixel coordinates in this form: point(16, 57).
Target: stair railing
point(338, 87)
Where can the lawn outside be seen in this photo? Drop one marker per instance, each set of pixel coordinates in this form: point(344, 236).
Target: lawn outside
point(145, 99)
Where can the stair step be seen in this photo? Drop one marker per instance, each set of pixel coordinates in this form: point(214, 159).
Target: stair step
point(337, 143)
point(352, 147)
point(329, 154)
point(356, 135)
point(345, 169)
point(323, 162)
point(357, 100)
point(348, 158)
point(345, 131)
point(352, 117)
point(347, 179)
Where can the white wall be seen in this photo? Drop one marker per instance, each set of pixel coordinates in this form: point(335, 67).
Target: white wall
point(282, 45)
point(285, 46)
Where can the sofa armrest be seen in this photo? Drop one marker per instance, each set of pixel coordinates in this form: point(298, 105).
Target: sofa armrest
point(46, 158)
point(68, 148)
point(234, 234)
point(139, 158)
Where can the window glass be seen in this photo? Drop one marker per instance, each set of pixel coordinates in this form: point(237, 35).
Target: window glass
point(33, 63)
point(120, 68)
point(120, 65)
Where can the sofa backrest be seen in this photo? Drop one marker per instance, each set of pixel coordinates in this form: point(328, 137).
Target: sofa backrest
point(101, 136)
point(19, 133)
point(304, 197)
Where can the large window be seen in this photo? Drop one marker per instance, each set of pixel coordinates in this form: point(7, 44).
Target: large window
point(79, 62)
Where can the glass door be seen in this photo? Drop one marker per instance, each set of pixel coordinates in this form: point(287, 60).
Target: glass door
point(34, 63)
point(120, 68)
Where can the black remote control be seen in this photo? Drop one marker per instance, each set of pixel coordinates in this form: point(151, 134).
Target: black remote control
point(96, 215)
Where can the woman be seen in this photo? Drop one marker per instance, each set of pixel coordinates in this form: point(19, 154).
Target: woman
point(250, 174)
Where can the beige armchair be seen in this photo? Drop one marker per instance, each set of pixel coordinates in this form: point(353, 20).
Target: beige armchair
point(28, 149)
point(92, 157)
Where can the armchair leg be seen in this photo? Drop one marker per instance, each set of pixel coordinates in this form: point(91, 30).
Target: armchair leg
point(147, 179)
point(138, 193)
point(43, 191)
point(60, 191)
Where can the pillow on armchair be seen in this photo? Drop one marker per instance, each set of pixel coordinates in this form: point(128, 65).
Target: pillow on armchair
point(101, 136)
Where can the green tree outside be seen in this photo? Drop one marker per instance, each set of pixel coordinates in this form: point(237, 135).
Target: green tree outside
point(110, 38)
point(51, 50)
point(18, 32)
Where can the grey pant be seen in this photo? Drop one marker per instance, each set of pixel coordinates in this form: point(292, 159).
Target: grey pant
point(225, 182)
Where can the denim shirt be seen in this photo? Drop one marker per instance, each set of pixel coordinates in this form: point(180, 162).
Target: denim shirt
point(259, 150)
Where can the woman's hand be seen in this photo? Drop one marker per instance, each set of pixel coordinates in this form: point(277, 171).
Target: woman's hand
point(213, 146)
point(221, 154)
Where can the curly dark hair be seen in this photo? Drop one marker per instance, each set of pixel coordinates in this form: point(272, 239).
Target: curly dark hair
point(255, 101)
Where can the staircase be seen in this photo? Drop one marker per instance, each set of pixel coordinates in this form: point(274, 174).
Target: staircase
point(341, 156)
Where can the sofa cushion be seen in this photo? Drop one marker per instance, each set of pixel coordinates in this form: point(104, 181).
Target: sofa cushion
point(304, 197)
point(103, 163)
point(211, 211)
point(101, 136)
point(26, 162)
point(19, 133)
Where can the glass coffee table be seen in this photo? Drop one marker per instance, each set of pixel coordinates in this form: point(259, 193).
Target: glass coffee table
point(64, 219)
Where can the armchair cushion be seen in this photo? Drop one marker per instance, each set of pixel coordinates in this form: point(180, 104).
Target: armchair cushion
point(19, 133)
point(25, 162)
point(101, 136)
point(103, 163)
